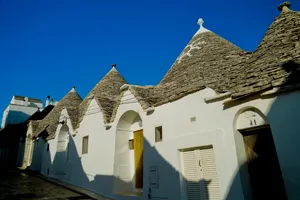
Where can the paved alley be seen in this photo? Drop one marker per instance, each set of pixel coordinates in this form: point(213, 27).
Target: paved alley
point(16, 185)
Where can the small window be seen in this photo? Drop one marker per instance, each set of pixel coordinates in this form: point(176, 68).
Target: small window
point(85, 144)
point(158, 134)
point(131, 144)
point(47, 147)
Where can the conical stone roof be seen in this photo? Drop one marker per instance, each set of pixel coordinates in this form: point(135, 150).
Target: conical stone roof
point(207, 61)
point(276, 61)
point(106, 92)
point(49, 124)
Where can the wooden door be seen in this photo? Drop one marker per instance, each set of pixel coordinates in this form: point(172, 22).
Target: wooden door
point(263, 166)
point(138, 158)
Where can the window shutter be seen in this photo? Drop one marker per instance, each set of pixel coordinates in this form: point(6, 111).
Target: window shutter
point(210, 176)
point(200, 173)
point(191, 175)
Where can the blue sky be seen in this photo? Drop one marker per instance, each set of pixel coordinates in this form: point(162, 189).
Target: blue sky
point(48, 46)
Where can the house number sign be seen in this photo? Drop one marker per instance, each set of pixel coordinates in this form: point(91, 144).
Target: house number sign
point(153, 177)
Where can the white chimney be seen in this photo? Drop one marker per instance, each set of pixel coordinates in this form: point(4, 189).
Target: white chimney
point(26, 103)
point(47, 101)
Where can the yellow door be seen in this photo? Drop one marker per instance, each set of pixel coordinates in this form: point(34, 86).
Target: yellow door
point(138, 158)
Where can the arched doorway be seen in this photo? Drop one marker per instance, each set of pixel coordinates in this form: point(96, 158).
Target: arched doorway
point(61, 157)
point(259, 166)
point(129, 154)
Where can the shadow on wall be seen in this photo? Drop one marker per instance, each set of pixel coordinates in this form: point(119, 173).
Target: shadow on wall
point(10, 138)
point(278, 176)
point(283, 118)
point(260, 166)
point(14, 117)
point(71, 170)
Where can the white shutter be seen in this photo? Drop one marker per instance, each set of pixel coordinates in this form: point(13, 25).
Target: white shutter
point(200, 173)
point(209, 174)
point(191, 175)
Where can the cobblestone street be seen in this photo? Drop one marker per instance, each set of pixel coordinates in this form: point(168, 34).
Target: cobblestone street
point(16, 185)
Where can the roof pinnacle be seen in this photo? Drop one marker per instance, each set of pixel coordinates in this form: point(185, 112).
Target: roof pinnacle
point(284, 7)
point(113, 67)
point(73, 89)
point(200, 22)
point(202, 29)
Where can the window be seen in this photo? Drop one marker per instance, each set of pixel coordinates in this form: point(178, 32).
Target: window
point(158, 134)
point(131, 144)
point(85, 144)
point(47, 147)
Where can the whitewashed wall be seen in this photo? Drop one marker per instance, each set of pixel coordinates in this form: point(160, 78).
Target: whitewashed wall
point(129, 118)
point(94, 169)
point(211, 124)
point(48, 158)
point(16, 114)
point(284, 117)
point(215, 125)
point(37, 156)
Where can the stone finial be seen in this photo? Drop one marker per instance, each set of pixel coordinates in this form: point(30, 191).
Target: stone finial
point(284, 7)
point(73, 89)
point(201, 29)
point(113, 65)
point(200, 22)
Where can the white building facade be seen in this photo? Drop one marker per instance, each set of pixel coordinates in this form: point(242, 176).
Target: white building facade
point(222, 124)
point(20, 109)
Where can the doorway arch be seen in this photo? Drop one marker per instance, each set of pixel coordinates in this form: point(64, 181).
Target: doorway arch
point(128, 168)
point(258, 163)
point(61, 158)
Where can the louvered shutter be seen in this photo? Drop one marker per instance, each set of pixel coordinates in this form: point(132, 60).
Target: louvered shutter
point(200, 173)
point(191, 175)
point(209, 174)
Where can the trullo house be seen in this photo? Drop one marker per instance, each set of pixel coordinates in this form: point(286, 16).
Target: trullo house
point(221, 124)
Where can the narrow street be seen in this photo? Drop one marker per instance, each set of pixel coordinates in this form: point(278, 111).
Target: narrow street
point(16, 185)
